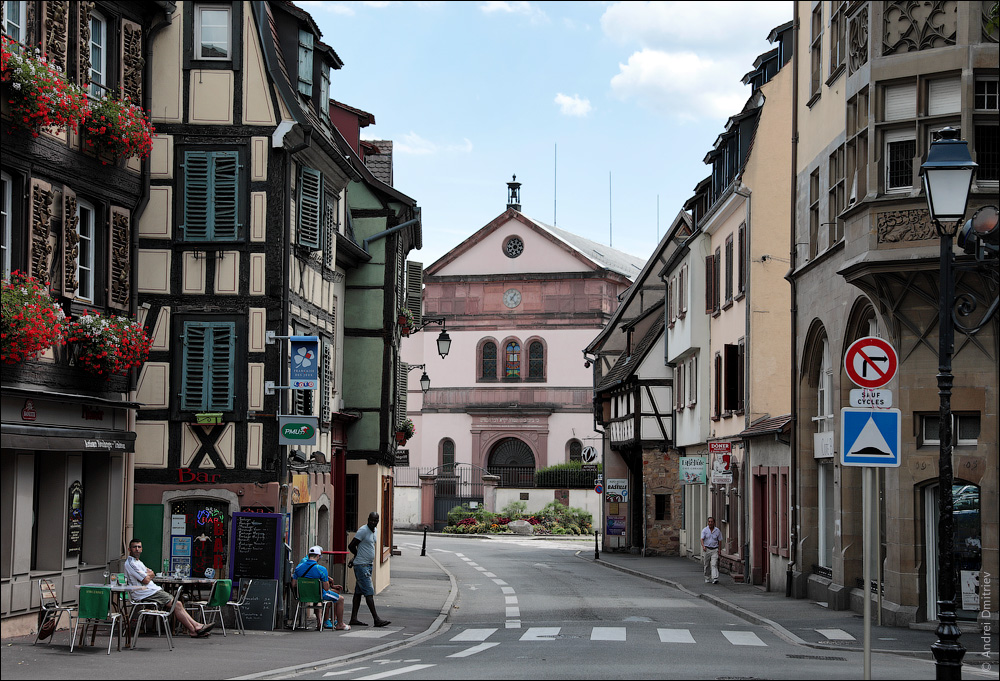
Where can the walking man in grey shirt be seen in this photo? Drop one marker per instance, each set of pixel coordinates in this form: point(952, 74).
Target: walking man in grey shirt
point(711, 538)
point(363, 548)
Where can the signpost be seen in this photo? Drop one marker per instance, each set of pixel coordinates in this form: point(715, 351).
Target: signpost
point(871, 438)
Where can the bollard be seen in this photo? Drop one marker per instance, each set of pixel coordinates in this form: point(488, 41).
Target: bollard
point(597, 553)
point(423, 549)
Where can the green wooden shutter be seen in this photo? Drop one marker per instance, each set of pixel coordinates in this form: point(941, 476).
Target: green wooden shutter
point(220, 397)
point(207, 366)
point(310, 207)
point(305, 62)
point(402, 374)
point(226, 181)
point(197, 189)
point(193, 367)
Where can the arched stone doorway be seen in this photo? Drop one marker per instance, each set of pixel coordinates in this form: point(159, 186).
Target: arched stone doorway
point(513, 460)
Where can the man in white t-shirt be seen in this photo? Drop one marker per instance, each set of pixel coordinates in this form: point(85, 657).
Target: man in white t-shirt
point(711, 538)
point(137, 574)
point(363, 548)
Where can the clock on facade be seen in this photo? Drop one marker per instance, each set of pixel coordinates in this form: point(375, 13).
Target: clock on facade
point(512, 298)
point(513, 247)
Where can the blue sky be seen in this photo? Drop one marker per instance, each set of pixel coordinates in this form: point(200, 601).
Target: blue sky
point(632, 94)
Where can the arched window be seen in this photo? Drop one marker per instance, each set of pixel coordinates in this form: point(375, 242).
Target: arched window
point(512, 361)
point(575, 450)
point(488, 362)
point(513, 461)
point(536, 361)
point(447, 457)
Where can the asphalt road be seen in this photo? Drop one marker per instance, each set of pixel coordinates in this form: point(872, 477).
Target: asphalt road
point(532, 609)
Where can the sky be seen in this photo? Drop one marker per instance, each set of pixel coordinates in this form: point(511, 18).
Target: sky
point(603, 110)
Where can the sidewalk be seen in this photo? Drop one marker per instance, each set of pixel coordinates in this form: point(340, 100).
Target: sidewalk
point(417, 601)
point(800, 621)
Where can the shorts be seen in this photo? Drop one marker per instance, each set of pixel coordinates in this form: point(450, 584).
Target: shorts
point(330, 595)
point(161, 597)
point(363, 575)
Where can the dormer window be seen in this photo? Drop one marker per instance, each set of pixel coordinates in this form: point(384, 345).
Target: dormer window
point(212, 32)
point(305, 63)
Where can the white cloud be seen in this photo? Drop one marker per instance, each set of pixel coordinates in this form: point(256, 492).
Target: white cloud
point(573, 106)
point(681, 84)
point(525, 8)
point(413, 144)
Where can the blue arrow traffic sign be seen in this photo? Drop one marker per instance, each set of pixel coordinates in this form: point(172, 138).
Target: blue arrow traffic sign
point(870, 437)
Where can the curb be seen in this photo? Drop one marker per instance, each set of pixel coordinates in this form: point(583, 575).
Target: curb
point(309, 667)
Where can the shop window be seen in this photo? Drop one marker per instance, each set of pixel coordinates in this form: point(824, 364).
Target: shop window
point(205, 542)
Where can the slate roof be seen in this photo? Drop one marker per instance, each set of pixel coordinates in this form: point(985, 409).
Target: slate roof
point(627, 364)
point(613, 259)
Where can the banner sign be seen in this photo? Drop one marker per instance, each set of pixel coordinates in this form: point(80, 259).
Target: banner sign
point(722, 459)
point(692, 470)
point(297, 430)
point(304, 370)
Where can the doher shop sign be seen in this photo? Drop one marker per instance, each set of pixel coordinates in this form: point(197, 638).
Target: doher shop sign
point(297, 430)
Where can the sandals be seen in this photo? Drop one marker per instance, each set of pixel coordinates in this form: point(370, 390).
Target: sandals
point(346, 627)
point(204, 631)
point(383, 623)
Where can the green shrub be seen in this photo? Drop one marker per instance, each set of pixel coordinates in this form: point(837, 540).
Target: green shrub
point(515, 509)
point(568, 475)
point(459, 513)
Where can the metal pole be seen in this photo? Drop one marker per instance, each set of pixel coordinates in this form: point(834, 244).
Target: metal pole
point(866, 559)
point(878, 541)
point(423, 549)
point(948, 651)
point(597, 552)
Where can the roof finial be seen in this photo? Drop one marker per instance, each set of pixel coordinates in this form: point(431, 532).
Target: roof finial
point(514, 194)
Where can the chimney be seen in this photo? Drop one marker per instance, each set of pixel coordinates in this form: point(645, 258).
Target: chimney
point(514, 194)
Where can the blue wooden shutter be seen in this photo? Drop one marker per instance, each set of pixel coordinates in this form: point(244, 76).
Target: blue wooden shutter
point(310, 207)
point(305, 63)
point(207, 366)
point(220, 397)
point(197, 189)
point(193, 367)
point(226, 181)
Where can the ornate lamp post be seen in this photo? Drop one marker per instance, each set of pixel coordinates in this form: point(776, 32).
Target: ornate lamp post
point(947, 177)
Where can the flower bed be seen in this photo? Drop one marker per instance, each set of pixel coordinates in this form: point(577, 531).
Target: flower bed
point(553, 519)
point(32, 320)
point(108, 345)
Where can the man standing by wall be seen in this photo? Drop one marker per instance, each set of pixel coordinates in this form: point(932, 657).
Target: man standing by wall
point(363, 548)
point(711, 538)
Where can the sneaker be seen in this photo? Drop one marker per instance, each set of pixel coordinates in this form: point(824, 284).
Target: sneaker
point(715, 581)
point(707, 581)
point(328, 624)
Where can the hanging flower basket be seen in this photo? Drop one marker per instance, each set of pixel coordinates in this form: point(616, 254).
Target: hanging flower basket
point(32, 320)
point(405, 321)
point(108, 345)
point(39, 94)
point(400, 437)
point(404, 431)
point(119, 128)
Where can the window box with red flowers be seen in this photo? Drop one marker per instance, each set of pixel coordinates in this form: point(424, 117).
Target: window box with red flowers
point(38, 93)
point(118, 128)
point(32, 320)
point(405, 321)
point(107, 345)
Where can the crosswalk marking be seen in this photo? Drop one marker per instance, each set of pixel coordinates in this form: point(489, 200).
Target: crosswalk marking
point(474, 649)
point(675, 636)
point(474, 635)
point(743, 638)
point(345, 671)
point(499, 582)
point(510, 600)
point(540, 634)
point(607, 634)
point(507, 590)
point(835, 635)
point(370, 633)
point(395, 672)
point(513, 624)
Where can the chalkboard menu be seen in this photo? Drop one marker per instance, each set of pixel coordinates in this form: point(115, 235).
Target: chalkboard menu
point(255, 546)
point(259, 608)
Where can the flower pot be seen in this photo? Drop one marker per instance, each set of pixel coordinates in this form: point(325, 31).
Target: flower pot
point(400, 437)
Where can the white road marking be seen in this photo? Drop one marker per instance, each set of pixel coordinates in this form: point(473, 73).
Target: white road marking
point(442, 551)
point(607, 634)
point(675, 636)
point(479, 567)
point(369, 633)
point(345, 671)
point(489, 574)
point(474, 635)
point(835, 635)
point(743, 638)
point(460, 555)
point(507, 589)
point(512, 624)
point(474, 649)
point(499, 582)
point(510, 600)
point(540, 634)
point(513, 611)
point(395, 672)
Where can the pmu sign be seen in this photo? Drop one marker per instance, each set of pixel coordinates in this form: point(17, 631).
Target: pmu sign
point(870, 362)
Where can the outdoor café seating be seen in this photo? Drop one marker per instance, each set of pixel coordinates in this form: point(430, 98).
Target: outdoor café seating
point(309, 594)
point(95, 611)
point(218, 598)
point(52, 609)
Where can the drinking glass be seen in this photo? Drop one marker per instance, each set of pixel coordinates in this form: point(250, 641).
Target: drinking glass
point(107, 573)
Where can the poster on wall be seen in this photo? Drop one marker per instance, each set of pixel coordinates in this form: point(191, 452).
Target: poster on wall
point(616, 525)
point(970, 589)
point(722, 462)
point(616, 490)
point(692, 470)
point(74, 531)
point(180, 547)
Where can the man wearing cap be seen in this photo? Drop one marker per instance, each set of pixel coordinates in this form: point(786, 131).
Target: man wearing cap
point(311, 569)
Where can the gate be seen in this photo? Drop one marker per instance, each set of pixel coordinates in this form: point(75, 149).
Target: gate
point(456, 484)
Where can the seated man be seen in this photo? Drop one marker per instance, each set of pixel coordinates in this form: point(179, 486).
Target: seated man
point(137, 574)
point(310, 569)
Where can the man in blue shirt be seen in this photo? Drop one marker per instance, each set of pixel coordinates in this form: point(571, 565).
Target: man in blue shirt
point(363, 548)
point(311, 569)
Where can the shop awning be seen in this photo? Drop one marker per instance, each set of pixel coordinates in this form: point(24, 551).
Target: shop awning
point(51, 438)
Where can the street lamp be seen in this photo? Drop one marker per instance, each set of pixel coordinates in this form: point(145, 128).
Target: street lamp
point(947, 177)
point(425, 380)
point(443, 339)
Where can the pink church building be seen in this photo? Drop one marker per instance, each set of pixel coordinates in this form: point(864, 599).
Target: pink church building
point(520, 300)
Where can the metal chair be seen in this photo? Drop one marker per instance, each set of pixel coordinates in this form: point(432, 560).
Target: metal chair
point(51, 607)
point(309, 594)
point(237, 605)
point(162, 616)
point(95, 611)
point(218, 598)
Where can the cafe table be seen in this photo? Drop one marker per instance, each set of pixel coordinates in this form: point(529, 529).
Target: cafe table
point(118, 603)
point(170, 584)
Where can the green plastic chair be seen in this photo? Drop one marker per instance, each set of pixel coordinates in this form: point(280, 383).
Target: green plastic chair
point(309, 594)
point(95, 611)
point(222, 589)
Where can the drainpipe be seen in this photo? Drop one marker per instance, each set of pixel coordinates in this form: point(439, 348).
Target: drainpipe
point(794, 462)
point(742, 190)
point(128, 493)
